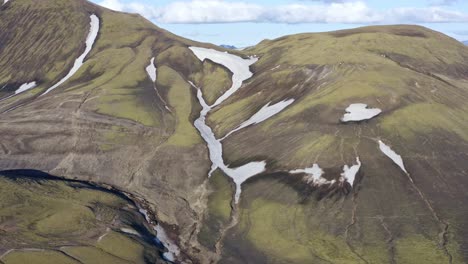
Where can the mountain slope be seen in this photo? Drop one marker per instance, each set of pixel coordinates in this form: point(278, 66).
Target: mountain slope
point(116, 122)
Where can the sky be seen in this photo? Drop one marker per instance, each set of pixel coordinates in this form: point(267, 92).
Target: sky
point(244, 23)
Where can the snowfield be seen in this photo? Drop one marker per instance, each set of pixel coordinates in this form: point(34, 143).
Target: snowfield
point(238, 175)
point(314, 175)
point(93, 33)
point(349, 173)
point(360, 112)
point(239, 67)
point(392, 155)
point(172, 249)
point(151, 70)
point(25, 87)
point(240, 72)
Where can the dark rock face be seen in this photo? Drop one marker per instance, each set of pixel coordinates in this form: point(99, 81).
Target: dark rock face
point(109, 124)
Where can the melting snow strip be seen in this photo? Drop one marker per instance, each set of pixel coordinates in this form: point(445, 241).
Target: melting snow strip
point(151, 70)
point(360, 112)
point(349, 173)
point(314, 175)
point(93, 33)
point(263, 114)
point(25, 87)
point(392, 155)
point(22, 88)
point(240, 72)
point(162, 238)
point(239, 67)
point(5, 1)
point(152, 73)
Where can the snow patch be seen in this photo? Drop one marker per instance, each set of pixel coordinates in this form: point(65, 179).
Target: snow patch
point(239, 67)
point(315, 173)
point(130, 231)
point(359, 112)
point(93, 33)
point(349, 173)
point(263, 114)
point(25, 87)
point(22, 88)
point(151, 70)
point(238, 175)
point(240, 72)
point(392, 155)
point(5, 1)
point(173, 250)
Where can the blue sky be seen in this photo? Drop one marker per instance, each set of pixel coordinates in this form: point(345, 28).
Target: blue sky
point(243, 23)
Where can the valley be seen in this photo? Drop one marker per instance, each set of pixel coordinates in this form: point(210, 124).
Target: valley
point(337, 147)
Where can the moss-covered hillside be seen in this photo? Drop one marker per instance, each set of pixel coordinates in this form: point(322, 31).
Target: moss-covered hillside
point(110, 123)
point(53, 221)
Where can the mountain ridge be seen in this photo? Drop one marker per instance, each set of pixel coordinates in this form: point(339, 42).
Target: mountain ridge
point(113, 123)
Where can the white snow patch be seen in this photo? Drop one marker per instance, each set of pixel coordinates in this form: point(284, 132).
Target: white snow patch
point(263, 114)
point(349, 173)
point(93, 33)
point(25, 87)
point(5, 1)
point(151, 70)
point(22, 88)
point(315, 173)
point(240, 72)
point(359, 112)
point(392, 155)
point(172, 249)
point(238, 175)
point(239, 67)
point(130, 231)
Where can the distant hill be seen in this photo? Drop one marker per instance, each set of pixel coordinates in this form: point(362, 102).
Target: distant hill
point(228, 46)
point(465, 42)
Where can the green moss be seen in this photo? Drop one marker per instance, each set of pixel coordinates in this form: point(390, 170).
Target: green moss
point(214, 80)
point(37, 257)
point(123, 106)
point(219, 209)
point(91, 255)
point(122, 247)
point(68, 219)
point(418, 249)
point(51, 214)
point(315, 144)
point(180, 99)
point(219, 202)
point(224, 120)
point(415, 119)
point(281, 231)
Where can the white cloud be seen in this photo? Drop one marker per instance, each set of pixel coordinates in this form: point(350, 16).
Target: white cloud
point(220, 11)
point(112, 4)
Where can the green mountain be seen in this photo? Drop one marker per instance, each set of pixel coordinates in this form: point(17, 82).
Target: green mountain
point(338, 147)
